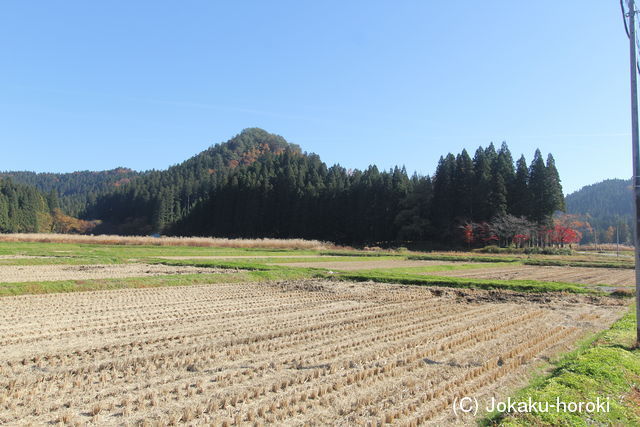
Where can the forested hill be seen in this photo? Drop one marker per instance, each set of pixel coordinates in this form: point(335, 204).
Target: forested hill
point(77, 189)
point(259, 185)
point(605, 204)
point(154, 201)
point(611, 197)
point(23, 208)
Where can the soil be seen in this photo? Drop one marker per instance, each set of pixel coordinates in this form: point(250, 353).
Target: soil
point(39, 273)
point(617, 277)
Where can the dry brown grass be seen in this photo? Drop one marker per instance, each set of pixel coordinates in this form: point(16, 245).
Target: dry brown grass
point(606, 247)
point(169, 241)
point(292, 353)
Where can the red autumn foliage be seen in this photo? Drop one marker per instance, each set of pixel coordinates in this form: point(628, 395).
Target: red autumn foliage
point(561, 235)
point(521, 239)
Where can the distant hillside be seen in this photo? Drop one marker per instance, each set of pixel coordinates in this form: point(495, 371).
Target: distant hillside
point(156, 199)
point(24, 209)
point(76, 189)
point(605, 204)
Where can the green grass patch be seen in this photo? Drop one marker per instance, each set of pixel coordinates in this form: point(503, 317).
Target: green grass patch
point(123, 252)
point(464, 258)
point(74, 253)
point(430, 268)
point(62, 260)
point(457, 282)
point(526, 260)
point(329, 258)
point(247, 264)
point(578, 263)
point(364, 254)
point(251, 266)
point(23, 288)
point(605, 366)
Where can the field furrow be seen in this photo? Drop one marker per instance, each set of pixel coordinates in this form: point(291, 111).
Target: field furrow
point(292, 353)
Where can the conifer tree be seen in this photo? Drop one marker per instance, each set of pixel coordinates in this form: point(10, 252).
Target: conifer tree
point(482, 186)
point(555, 198)
point(463, 181)
point(519, 195)
point(538, 193)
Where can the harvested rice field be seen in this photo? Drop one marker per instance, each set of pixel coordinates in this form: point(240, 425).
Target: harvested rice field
point(42, 273)
point(583, 275)
point(289, 353)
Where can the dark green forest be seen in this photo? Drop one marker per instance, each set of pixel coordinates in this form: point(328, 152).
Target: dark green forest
point(24, 209)
point(606, 206)
point(75, 190)
point(258, 185)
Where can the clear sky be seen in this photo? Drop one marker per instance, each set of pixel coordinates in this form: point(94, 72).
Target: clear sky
point(147, 84)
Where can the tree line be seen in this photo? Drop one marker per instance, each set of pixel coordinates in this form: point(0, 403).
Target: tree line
point(23, 209)
point(76, 190)
point(258, 185)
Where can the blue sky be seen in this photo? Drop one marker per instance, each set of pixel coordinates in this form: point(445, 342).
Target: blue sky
point(147, 84)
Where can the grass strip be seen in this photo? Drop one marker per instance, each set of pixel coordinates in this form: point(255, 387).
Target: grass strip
point(142, 251)
point(25, 288)
point(456, 282)
point(525, 261)
point(249, 265)
point(362, 254)
point(604, 366)
point(60, 260)
point(429, 268)
point(463, 258)
point(329, 259)
point(592, 264)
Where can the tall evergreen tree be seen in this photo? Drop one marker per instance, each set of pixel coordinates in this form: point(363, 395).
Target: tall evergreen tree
point(538, 190)
point(502, 181)
point(555, 198)
point(519, 195)
point(412, 220)
point(463, 182)
point(482, 186)
point(442, 211)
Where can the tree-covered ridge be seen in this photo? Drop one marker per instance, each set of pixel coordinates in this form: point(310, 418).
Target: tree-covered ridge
point(23, 208)
point(610, 197)
point(295, 194)
point(258, 185)
point(153, 201)
point(77, 189)
point(606, 205)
